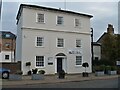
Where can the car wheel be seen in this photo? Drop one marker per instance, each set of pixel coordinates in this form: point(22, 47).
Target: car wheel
point(5, 75)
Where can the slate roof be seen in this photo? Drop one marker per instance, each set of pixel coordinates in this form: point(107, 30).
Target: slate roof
point(7, 35)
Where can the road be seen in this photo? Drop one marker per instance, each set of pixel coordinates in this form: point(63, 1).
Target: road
point(108, 83)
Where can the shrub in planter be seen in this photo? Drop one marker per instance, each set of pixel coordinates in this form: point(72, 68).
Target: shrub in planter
point(34, 71)
point(19, 72)
point(99, 70)
point(29, 72)
point(107, 68)
point(16, 76)
point(85, 74)
point(41, 72)
point(39, 76)
point(118, 70)
point(61, 74)
point(113, 70)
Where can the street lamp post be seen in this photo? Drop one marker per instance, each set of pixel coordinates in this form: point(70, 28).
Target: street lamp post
point(92, 47)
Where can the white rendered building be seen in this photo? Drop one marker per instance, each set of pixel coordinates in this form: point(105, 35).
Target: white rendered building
point(53, 39)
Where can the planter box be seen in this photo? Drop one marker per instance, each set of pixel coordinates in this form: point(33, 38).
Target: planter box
point(37, 76)
point(85, 74)
point(15, 77)
point(112, 72)
point(99, 73)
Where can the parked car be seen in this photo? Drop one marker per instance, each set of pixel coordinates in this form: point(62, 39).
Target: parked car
point(4, 73)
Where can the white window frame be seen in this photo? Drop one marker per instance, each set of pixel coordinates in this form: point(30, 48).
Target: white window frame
point(76, 60)
point(42, 41)
point(80, 43)
point(37, 18)
point(79, 25)
point(63, 43)
point(57, 20)
point(43, 61)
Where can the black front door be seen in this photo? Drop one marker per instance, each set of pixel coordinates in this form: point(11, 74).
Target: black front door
point(59, 64)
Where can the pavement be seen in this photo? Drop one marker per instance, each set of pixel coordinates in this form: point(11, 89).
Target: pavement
point(26, 80)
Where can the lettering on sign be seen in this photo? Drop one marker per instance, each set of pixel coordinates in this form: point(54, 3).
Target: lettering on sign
point(74, 52)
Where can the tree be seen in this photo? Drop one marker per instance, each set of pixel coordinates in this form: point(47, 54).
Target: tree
point(110, 48)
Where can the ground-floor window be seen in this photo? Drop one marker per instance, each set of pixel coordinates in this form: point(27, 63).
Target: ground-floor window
point(78, 60)
point(6, 57)
point(39, 61)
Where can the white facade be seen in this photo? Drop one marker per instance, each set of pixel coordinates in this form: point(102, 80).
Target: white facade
point(6, 56)
point(97, 51)
point(68, 57)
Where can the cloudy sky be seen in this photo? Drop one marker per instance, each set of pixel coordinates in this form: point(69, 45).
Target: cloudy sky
point(104, 12)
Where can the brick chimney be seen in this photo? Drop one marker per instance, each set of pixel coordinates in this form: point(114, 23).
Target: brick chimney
point(110, 29)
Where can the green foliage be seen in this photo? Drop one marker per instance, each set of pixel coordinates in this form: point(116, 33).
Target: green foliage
point(85, 64)
point(99, 68)
point(103, 62)
point(111, 47)
point(19, 72)
point(41, 72)
point(34, 71)
point(107, 68)
point(113, 68)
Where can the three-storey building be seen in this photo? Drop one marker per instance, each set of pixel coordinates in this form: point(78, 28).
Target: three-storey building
point(53, 39)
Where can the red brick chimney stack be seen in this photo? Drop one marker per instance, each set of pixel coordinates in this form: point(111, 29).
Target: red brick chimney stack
point(110, 29)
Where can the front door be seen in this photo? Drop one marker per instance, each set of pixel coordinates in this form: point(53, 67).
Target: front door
point(59, 64)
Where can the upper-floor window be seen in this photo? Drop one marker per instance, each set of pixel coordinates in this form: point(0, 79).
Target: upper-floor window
point(7, 45)
point(40, 18)
point(78, 43)
point(7, 35)
point(39, 41)
point(40, 61)
point(77, 22)
point(60, 42)
point(60, 20)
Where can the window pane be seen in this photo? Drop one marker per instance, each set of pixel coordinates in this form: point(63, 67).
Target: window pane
point(78, 60)
point(60, 42)
point(7, 45)
point(59, 20)
point(40, 61)
point(40, 41)
point(77, 22)
point(78, 43)
point(40, 18)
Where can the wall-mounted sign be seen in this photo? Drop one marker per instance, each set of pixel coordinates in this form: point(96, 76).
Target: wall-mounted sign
point(74, 52)
point(50, 60)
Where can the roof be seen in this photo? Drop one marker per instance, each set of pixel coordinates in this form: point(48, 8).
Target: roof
point(47, 8)
point(101, 37)
point(7, 35)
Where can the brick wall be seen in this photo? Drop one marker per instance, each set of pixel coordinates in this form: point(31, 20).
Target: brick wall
point(13, 66)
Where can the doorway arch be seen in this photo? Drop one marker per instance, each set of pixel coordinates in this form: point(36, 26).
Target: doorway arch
point(61, 62)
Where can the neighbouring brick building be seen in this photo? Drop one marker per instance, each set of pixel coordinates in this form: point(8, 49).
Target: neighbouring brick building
point(110, 45)
point(7, 46)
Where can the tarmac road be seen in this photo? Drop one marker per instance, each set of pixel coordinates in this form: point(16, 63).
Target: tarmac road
point(107, 83)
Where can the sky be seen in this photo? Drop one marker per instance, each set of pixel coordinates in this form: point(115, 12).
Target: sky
point(104, 12)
